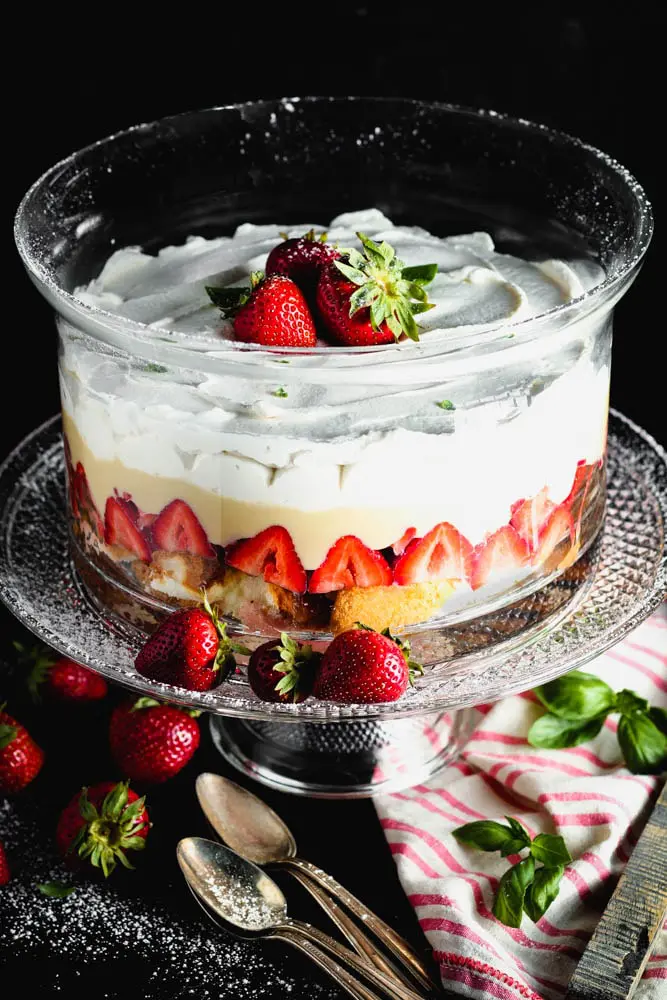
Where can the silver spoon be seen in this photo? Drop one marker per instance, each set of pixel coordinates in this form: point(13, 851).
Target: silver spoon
point(356, 989)
point(245, 897)
point(256, 832)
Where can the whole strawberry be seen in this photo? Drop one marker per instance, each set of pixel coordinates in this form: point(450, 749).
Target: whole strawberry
point(5, 873)
point(273, 312)
point(190, 649)
point(60, 678)
point(371, 298)
point(20, 757)
point(364, 666)
point(101, 824)
point(302, 260)
point(152, 742)
point(283, 670)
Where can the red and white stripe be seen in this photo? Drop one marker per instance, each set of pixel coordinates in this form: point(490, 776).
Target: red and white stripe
point(584, 793)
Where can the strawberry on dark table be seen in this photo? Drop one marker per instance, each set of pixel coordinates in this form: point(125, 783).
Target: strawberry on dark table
point(20, 757)
point(150, 741)
point(101, 824)
point(5, 873)
point(59, 677)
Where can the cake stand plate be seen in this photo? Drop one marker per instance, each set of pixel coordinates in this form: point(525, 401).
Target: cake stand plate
point(351, 750)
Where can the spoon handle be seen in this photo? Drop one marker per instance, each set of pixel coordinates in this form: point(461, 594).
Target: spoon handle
point(340, 975)
point(354, 934)
point(394, 941)
point(390, 987)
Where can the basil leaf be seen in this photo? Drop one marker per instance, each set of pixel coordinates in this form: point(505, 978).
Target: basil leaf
point(508, 905)
point(643, 745)
point(56, 890)
point(627, 703)
point(542, 892)
point(512, 847)
point(550, 850)
point(658, 717)
point(552, 733)
point(484, 834)
point(577, 696)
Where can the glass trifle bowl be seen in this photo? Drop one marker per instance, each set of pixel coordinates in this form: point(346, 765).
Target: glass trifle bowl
point(412, 482)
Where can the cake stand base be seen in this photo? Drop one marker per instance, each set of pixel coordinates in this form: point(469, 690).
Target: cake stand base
point(342, 760)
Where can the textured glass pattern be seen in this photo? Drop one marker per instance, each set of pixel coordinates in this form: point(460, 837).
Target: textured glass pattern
point(607, 593)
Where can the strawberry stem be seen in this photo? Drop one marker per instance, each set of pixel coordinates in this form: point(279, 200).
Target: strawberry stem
point(294, 659)
point(224, 659)
point(106, 835)
point(392, 292)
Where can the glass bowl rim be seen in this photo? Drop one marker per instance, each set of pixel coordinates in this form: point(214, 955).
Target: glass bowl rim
point(141, 332)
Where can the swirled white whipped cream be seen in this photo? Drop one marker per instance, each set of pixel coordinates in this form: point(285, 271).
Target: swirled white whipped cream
point(475, 286)
point(521, 419)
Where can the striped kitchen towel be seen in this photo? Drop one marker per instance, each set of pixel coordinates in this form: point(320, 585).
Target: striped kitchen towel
point(583, 793)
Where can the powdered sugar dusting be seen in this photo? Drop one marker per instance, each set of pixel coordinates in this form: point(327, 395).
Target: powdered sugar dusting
point(99, 923)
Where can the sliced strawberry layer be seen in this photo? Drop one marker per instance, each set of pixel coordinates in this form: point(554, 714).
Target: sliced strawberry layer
point(178, 529)
point(557, 528)
point(120, 528)
point(350, 563)
point(270, 554)
point(503, 551)
point(401, 545)
point(530, 516)
point(442, 554)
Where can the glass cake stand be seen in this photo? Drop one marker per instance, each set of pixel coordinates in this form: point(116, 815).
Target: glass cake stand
point(324, 749)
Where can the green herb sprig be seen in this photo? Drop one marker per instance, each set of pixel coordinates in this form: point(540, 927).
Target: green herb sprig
point(577, 706)
point(523, 887)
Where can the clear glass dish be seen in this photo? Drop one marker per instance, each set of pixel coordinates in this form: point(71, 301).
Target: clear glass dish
point(180, 446)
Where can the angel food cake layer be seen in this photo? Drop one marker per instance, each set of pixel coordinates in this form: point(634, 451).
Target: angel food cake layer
point(383, 484)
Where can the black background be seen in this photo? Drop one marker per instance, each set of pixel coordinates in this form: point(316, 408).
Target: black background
point(598, 75)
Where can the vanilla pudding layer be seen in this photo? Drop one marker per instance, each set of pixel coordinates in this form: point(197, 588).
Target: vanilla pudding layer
point(326, 450)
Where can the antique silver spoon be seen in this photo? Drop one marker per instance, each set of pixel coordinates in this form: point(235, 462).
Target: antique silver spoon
point(246, 898)
point(256, 832)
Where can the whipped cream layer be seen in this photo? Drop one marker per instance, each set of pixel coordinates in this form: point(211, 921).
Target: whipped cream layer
point(365, 450)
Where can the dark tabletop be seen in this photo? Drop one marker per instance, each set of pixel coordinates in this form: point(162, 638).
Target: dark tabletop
point(595, 76)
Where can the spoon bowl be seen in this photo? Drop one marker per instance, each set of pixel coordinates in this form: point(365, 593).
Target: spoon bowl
point(235, 889)
point(244, 822)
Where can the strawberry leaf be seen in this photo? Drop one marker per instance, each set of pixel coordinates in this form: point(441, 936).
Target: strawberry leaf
point(7, 734)
point(423, 274)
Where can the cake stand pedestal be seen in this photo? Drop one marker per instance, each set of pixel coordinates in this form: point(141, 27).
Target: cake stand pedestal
point(329, 750)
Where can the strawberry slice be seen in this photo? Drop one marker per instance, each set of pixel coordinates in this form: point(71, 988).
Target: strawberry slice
point(350, 563)
point(178, 529)
point(401, 545)
point(504, 550)
point(83, 504)
point(530, 516)
point(442, 554)
point(559, 526)
point(575, 501)
point(270, 554)
point(120, 528)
